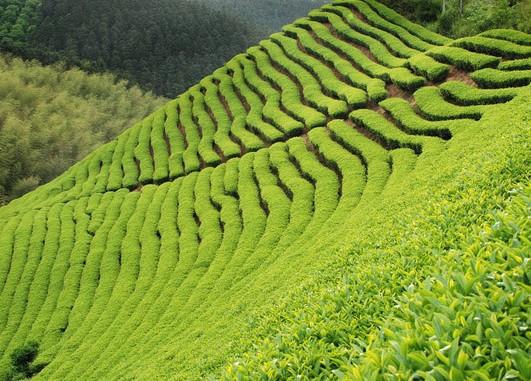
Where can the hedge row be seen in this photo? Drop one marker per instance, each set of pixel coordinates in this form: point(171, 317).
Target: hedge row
point(190, 155)
point(412, 123)
point(131, 170)
point(290, 94)
point(364, 67)
point(463, 59)
point(161, 147)
point(376, 90)
point(493, 78)
point(398, 75)
point(339, 30)
point(221, 119)
point(100, 224)
point(493, 46)
point(176, 139)
point(278, 206)
point(309, 86)
point(387, 133)
point(207, 129)
point(337, 49)
point(393, 43)
point(462, 94)
point(433, 106)
point(332, 50)
point(24, 262)
point(247, 81)
point(518, 64)
point(416, 29)
point(301, 191)
point(376, 20)
point(57, 273)
point(344, 89)
point(325, 182)
point(352, 167)
point(374, 156)
point(509, 35)
point(331, 84)
point(427, 67)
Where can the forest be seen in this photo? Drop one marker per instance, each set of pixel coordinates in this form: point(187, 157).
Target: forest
point(51, 117)
point(162, 45)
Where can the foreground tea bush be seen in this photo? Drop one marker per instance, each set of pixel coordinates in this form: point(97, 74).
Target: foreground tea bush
point(449, 300)
point(469, 318)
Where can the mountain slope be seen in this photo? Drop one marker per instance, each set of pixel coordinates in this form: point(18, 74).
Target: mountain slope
point(148, 259)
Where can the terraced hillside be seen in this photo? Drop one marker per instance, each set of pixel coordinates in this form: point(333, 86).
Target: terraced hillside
point(147, 259)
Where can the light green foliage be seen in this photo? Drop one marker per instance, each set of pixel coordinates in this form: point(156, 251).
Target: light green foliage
point(415, 29)
point(391, 137)
point(392, 42)
point(276, 212)
point(294, 75)
point(493, 46)
point(518, 64)
point(376, 90)
point(376, 20)
point(463, 94)
point(432, 104)
point(468, 314)
point(406, 117)
point(429, 68)
point(266, 117)
point(463, 59)
point(380, 51)
point(331, 84)
point(51, 117)
point(493, 78)
point(508, 35)
point(445, 296)
point(396, 74)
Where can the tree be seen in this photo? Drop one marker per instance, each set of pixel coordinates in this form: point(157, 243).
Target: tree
point(22, 361)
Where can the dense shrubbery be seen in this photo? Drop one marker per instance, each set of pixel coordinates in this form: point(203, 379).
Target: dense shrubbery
point(457, 18)
point(23, 364)
point(51, 117)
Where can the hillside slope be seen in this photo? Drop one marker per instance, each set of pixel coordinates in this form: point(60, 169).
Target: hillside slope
point(149, 258)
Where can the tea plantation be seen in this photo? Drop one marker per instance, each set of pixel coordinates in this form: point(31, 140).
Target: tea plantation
point(347, 200)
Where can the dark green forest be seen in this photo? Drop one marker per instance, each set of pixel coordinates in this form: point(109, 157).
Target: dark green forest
point(162, 45)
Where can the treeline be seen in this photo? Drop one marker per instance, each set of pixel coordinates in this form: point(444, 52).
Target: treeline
point(459, 18)
point(51, 117)
point(162, 45)
point(266, 16)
